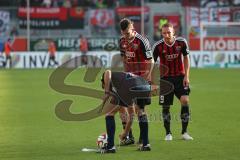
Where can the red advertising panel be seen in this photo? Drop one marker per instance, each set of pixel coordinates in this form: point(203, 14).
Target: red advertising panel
point(48, 13)
point(133, 13)
point(19, 44)
point(131, 10)
point(52, 18)
point(77, 13)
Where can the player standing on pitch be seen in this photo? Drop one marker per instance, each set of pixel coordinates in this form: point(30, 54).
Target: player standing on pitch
point(137, 58)
point(7, 50)
point(173, 53)
point(52, 54)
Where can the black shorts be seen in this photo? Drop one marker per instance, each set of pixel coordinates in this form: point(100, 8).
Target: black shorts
point(178, 90)
point(130, 98)
point(142, 102)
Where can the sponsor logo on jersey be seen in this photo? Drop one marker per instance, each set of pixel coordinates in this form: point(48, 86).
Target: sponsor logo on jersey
point(130, 54)
point(135, 46)
point(170, 57)
point(178, 48)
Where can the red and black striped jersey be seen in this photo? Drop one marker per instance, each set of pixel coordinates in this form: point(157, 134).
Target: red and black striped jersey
point(171, 56)
point(136, 54)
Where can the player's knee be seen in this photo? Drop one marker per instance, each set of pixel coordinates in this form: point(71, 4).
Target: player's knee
point(184, 100)
point(112, 112)
point(123, 114)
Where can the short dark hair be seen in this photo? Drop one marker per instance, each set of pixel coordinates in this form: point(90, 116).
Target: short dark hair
point(124, 23)
point(167, 25)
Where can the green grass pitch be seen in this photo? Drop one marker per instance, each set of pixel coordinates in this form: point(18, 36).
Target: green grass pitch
point(29, 128)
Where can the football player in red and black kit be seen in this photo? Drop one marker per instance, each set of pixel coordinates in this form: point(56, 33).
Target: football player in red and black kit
point(137, 59)
point(173, 53)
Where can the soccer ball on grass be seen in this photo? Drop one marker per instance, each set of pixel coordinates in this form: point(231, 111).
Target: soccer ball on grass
point(102, 141)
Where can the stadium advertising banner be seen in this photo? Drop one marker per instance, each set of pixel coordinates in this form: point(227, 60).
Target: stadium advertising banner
point(221, 44)
point(133, 13)
point(160, 19)
point(31, 60)
point(195, 15)
point(216, 43)
point(19, 44)
point(72, 44)
point(52, 18)
point(218, 59)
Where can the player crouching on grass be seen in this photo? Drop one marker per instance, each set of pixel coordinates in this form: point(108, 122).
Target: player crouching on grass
point(124, 88)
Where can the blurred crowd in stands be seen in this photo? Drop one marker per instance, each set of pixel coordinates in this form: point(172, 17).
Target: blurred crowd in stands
point(114, 3)
point(94, 23)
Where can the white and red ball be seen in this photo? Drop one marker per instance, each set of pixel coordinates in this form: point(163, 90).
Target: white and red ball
point(102, 140)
